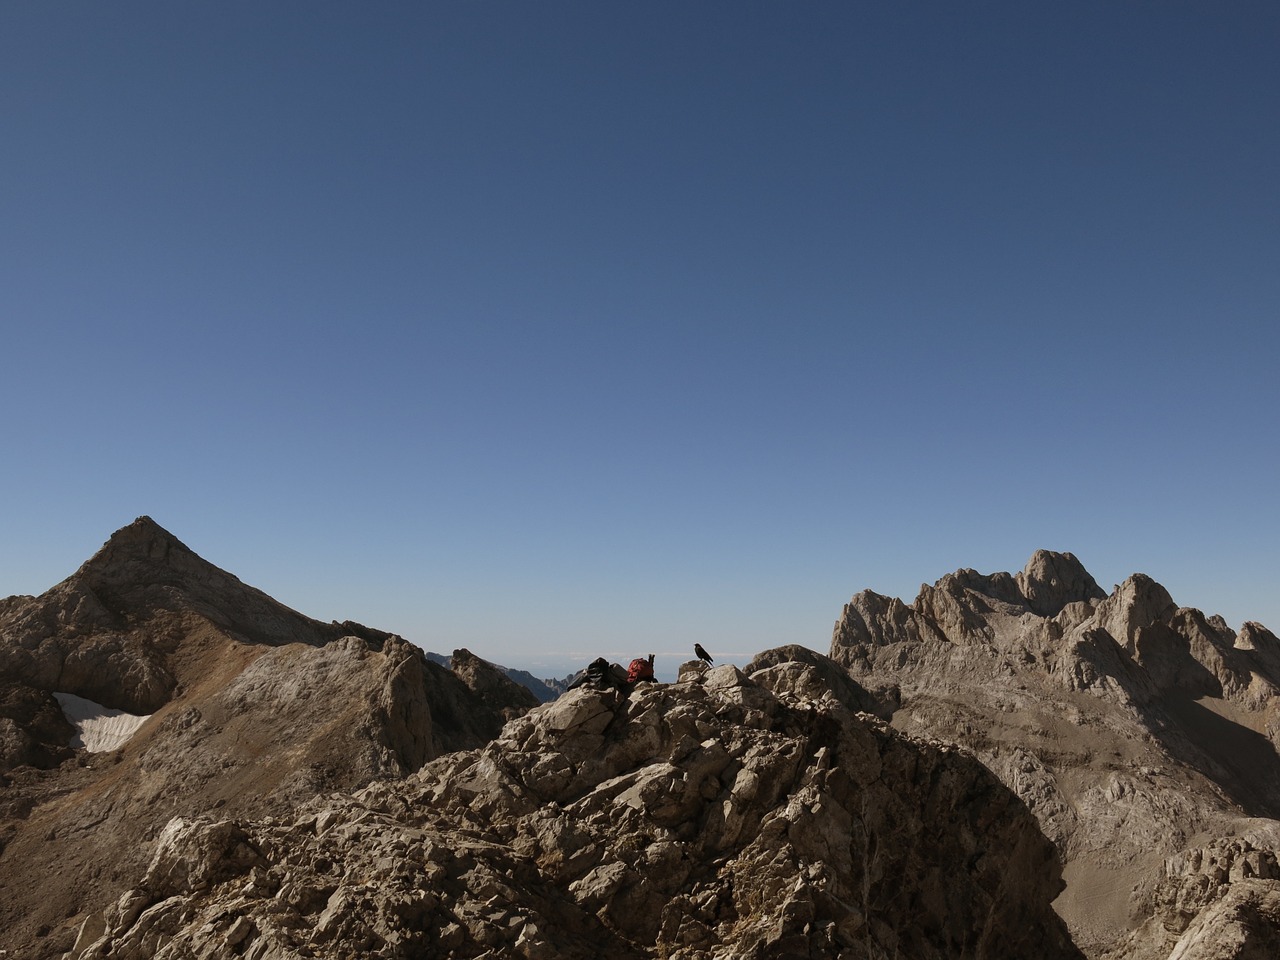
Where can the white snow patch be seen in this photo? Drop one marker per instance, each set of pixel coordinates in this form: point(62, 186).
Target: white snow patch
point(98, 728)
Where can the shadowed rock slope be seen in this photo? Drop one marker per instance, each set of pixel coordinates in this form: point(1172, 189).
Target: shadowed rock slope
point(1142, 735)
point(724, 816)
point(254, 708)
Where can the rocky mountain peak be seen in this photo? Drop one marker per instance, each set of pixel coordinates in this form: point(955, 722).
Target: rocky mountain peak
point(144, 539)
point(144, 557)
point(117, 631)
point(966, 606)
point(1052, 580)
point(1138, 602)
point(1254, 636)
point(144, 565)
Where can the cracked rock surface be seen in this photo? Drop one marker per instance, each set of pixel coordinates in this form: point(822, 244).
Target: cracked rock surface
point(727, 816)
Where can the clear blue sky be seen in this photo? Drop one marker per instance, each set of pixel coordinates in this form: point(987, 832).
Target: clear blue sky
point(548, 329)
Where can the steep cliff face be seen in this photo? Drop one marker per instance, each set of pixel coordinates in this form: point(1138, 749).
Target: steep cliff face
point(1133, 728)
point(723, 816)
point(253, 708)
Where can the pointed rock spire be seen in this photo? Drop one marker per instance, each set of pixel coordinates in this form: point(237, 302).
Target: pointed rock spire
point(1138, 602)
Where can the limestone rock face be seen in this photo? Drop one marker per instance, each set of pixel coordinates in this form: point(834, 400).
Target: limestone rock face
point(872, 618)
point(727, 816)
point(1240, 926)
point(1261, 651)
point(254, 708)
point(1139, 602)
point(1051, 580)
point(503, 695)
point(1218, 902)
point(798, 665)
point(33, 730)
point(1133, 728)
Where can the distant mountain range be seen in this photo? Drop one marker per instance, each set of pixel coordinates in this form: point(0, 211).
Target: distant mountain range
point(1011, 765)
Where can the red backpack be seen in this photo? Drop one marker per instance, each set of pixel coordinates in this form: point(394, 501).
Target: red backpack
point(639, 670)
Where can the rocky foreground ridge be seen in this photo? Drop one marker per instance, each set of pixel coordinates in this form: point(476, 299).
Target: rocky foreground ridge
point(723, 816)
point(1143, 736)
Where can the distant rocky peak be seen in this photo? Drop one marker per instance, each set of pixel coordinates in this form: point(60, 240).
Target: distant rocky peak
point(143, 541)
point(1052, 580)
point(967, 607)
point(1254, 636)
point(1138, 602)
point(1262, 647)
point(971, 607)
point(872, 618)
point(1048, 583)
point(143, 534)
point(998, 586)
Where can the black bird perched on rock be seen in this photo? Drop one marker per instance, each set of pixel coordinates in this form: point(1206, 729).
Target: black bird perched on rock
point(702, 654)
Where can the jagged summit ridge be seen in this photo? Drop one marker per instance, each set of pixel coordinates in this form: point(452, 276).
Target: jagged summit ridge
point(1051, 580)
point(1134, 728)
point(965, 606)
point(1135, 645)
